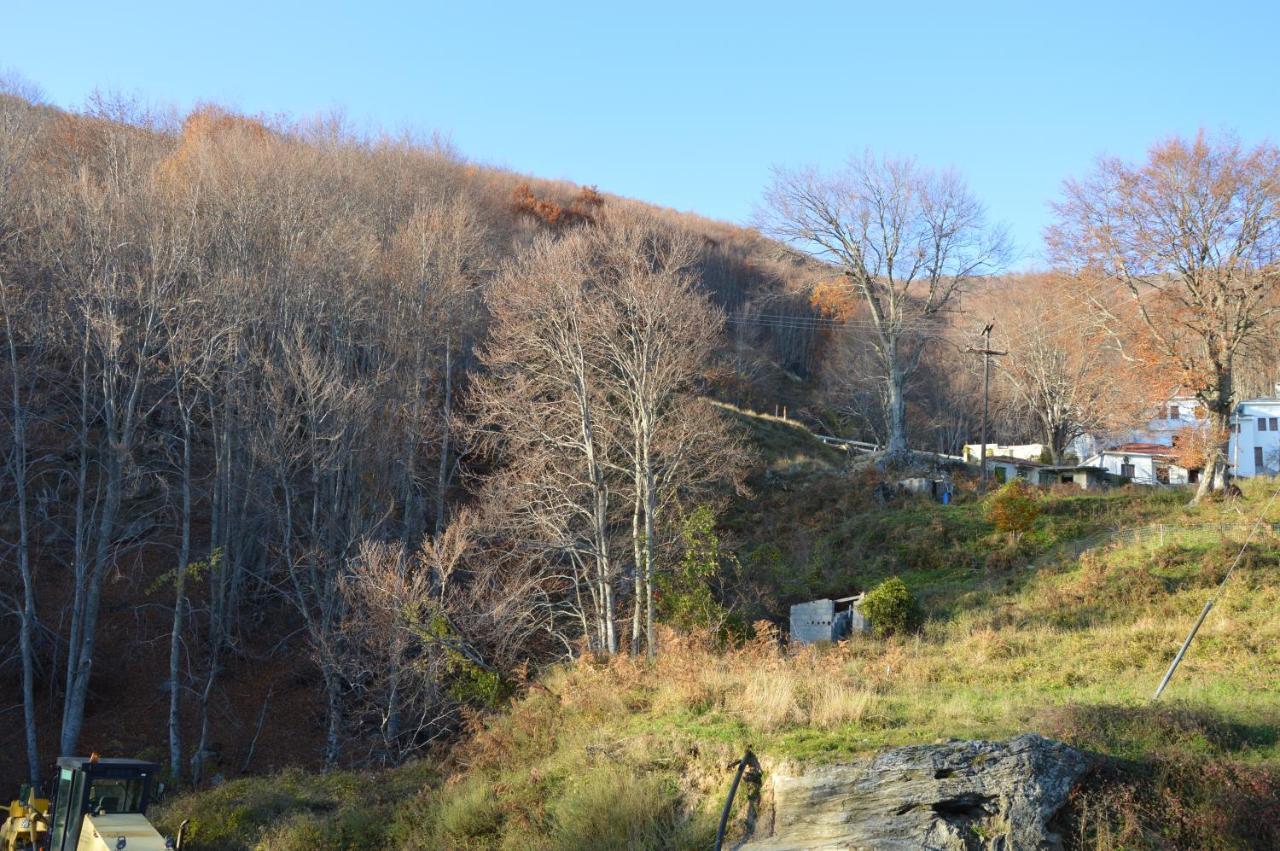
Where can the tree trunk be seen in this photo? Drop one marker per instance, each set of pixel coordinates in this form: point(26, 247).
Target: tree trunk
point(610, 633)
point(897, 409)
point(637, 542)
point(391, 729)
point(27, 641)
point(27, 629)
point(180, 604)
point(577, 596)
point(73, 719)
point(412, 520)
point(637, 547)
point(1058, 444)
point(333, 718)
point(442, 475)
point(80, 558)
point(1214, 475)
point(19, 467)
point(650, 510)
point(600, 508)
point(202, 745)
point(1219, 409)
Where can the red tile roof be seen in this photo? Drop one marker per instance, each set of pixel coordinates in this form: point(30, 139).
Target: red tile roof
point(1142, 448)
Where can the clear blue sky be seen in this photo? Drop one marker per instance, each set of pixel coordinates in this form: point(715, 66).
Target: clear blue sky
point(688, 104)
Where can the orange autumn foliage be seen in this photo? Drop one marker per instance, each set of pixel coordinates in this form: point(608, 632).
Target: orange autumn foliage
point(832, 299)
point(580, 210)
point(211, 126)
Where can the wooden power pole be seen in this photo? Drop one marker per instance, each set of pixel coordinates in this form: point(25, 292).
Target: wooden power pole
point(987, 353)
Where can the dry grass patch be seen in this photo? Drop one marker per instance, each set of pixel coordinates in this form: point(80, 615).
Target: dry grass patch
point(836, 704)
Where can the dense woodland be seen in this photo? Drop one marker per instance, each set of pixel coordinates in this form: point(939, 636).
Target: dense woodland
point(304, 397)
point(421, 420)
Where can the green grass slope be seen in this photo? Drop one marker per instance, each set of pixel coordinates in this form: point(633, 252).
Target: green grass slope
point(1066, 632)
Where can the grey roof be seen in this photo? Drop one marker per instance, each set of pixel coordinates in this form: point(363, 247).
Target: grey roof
point(87, 762)
point(1009, 459)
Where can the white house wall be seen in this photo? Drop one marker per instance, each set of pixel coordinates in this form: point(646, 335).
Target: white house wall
point(1144, 467)
point(1241, 450)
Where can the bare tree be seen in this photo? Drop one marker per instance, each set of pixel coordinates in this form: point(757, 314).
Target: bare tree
point(599, 341)
point(27, 343)
point(396, 677)
point(543, 398)
point(906, 239)
point(656, 336)
point(1065, 373)
point(437, 257)
point(109, 242)
point(1193, 234)
point(191, 341)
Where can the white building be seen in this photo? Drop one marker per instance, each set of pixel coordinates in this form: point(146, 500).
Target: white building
point(1144, 464)
point(1020, 451)
point(1145, 455)
point(1255, 438)
point(1169, 418)
point(1175, 415)
point(1166, 420)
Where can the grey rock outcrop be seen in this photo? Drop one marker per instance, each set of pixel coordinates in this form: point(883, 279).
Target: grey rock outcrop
point(994, 796)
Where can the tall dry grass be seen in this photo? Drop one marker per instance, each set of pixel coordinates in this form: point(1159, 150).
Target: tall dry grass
point(762, 685)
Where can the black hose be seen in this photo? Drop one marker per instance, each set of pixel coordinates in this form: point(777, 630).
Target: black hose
point(748, 758)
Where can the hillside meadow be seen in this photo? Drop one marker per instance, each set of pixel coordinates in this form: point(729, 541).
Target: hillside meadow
point(632, 753)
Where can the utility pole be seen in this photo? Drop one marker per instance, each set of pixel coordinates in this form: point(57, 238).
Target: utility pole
point(987, 353)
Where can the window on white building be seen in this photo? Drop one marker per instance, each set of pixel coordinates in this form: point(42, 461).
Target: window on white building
point(1257, 457)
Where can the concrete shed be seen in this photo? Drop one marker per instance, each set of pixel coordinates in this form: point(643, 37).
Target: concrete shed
point(827, 620)
point(1085, 478)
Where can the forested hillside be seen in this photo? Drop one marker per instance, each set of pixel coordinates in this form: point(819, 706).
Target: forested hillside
point(326, 450)
point(244, 436)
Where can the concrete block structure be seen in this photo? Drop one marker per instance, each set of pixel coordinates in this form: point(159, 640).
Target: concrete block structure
point(827, 620)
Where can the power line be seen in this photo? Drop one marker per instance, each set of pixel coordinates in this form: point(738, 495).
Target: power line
point(934, 327)
point(822, 320)
point(917, 324)
point(820, 324)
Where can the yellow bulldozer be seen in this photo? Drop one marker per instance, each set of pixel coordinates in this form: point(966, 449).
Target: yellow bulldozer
point(97, 805)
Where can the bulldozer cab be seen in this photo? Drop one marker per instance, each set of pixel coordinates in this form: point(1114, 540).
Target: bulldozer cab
point(88, 786)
